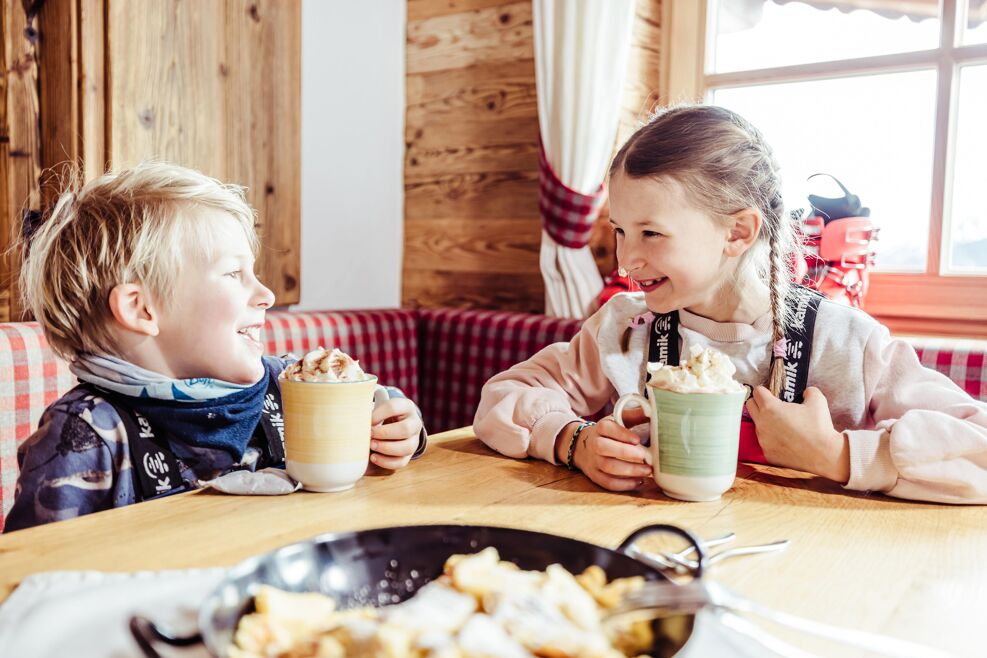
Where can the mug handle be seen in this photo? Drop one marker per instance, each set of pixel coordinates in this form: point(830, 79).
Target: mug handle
point(618, 409)
point(380, 395)
point(645, 404)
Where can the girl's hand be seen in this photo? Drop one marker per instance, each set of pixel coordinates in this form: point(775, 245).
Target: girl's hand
point(800, 436)
point(395, 428)
point(610, 455)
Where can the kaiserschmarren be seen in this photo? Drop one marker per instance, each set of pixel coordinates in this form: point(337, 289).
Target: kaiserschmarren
point(481, 607)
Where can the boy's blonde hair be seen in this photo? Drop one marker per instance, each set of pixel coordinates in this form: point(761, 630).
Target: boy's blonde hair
point(726, 166)
point(138, 225)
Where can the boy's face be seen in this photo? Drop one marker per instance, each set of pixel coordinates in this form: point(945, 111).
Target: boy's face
point(212, 327)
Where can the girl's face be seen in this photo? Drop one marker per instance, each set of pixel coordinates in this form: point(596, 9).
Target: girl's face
point(672, 249)
point(212, 326)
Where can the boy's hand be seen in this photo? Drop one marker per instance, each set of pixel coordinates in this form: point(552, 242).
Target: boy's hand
point(608, 454)
point(394, 433)
point(800, 436)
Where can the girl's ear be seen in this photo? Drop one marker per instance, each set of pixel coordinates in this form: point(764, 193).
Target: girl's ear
point(744, 227)
point(132, 309)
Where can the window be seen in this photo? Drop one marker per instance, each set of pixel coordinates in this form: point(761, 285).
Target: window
point(889, 97)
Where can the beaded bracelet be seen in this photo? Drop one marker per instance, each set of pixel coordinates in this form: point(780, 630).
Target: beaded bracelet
point(572, 444)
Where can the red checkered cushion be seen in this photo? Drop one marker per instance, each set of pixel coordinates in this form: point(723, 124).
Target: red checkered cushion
point(385, 341)
point(31, 378)
point(461, 350)
point(963, 361)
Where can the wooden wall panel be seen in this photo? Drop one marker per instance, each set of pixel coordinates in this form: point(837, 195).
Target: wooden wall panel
point(20, 144)
point(217, 87)
point(472, 230)
point(262, 75)
point(167, 103)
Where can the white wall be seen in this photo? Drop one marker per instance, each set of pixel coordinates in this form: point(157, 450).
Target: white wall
point(352, 153)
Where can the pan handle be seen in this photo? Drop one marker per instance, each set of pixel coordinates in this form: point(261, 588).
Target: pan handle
point(627, 546)
point(146, 633)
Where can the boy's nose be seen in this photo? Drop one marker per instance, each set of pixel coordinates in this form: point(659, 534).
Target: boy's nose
point(265, 296)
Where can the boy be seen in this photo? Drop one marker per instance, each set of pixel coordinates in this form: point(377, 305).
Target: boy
point(144, 282)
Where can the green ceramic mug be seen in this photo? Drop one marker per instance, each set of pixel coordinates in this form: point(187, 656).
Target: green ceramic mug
point(694, 440)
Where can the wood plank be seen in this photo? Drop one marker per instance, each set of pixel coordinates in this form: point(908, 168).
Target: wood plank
point(481, 196)
point(496, 34)
point(93, 119)
point(168, 103)
point(422, 9)
point(58, 73)
point(23, 147)
point(5, 225)
point(427, 161)
point(473, 245)
point(496, 91)
point(261, 78)
point(521, 291)
point(424, 130)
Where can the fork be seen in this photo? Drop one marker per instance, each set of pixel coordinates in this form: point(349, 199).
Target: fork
point(679, 563)
point(657, 600)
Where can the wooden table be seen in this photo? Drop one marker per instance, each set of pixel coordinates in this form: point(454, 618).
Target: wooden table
point(913, 571)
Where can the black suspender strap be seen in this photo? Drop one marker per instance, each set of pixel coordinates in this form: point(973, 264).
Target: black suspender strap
point(272, 421)
point(663, 341)
point(804, 305)
point(156, 469)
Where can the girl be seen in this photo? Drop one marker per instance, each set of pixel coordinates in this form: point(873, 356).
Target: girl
point(700, 226)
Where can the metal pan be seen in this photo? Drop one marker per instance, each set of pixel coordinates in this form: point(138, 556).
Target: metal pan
point(388, 565)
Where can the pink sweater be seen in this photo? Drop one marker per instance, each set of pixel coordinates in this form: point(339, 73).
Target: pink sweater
point(912, 432)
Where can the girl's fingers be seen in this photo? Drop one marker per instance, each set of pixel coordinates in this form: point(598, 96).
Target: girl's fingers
point(609, 428)
point(617, 484)
point(622, 469)
point(390, 463)
point(752, 408)
point(762, 397)
point(401, 448)
point(623, 451)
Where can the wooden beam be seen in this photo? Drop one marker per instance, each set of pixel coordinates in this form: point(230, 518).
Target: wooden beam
point(58, 89)
point(21, 150)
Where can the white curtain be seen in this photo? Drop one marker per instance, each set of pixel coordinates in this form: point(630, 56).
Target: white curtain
point(581, 55)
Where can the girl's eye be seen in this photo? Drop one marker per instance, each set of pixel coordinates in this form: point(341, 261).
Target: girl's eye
point(618, 231)
point(235, 275)
point(651, 234)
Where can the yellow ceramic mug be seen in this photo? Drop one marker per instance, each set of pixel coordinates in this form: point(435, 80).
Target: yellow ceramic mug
point(327, 431)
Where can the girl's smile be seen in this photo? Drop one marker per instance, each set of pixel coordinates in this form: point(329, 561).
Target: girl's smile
point(648, 285)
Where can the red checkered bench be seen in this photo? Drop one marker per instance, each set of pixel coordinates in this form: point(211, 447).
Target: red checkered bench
point(440, 358)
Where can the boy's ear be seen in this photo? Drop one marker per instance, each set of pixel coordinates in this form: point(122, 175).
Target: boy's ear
point(132, 309)
point(744, 227)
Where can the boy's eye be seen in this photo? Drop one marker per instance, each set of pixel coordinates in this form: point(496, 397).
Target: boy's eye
point(651, 234)
point(235, 274)
point(618, 231)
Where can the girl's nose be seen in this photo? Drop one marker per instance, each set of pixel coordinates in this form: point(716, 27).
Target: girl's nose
point(628, 259)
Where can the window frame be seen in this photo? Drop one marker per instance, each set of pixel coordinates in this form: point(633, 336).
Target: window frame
point(931, 302)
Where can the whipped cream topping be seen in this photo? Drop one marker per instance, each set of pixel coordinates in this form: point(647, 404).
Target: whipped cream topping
point(706, 371)
point(322, 365)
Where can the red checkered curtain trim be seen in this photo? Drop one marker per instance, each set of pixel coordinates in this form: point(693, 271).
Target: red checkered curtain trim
point(566, 214)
